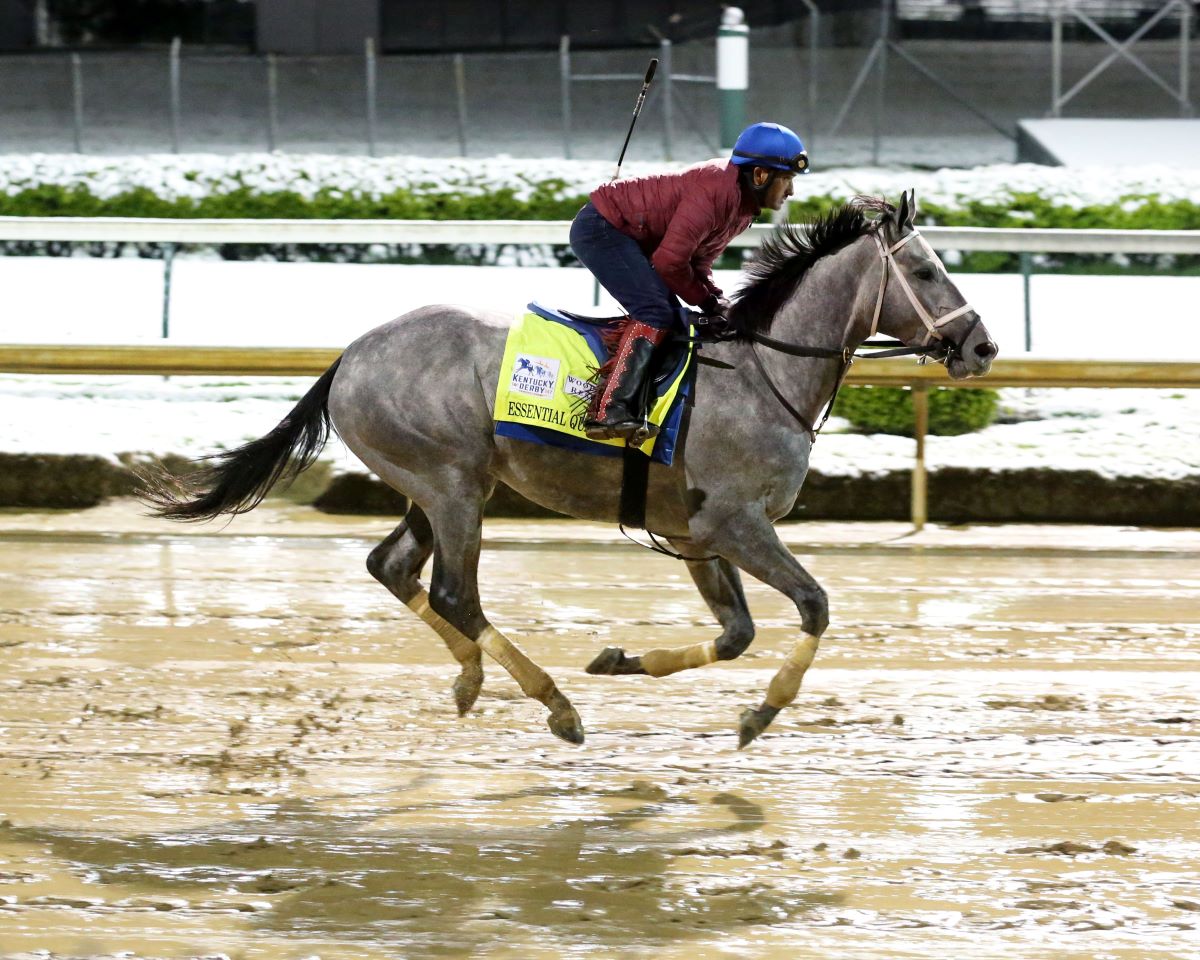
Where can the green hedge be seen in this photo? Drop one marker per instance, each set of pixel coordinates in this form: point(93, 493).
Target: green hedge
point(548, 201)
point(952, 411)
point(52, 200)
point(551, 200)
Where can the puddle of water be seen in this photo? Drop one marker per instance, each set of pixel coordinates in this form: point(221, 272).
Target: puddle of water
point(245, 745)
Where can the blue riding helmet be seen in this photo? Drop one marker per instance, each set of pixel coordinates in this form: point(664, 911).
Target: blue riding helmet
point(770, 145)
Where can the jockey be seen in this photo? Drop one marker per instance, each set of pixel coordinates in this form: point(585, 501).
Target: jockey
point(649, 240)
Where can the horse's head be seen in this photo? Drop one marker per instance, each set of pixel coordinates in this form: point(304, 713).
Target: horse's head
point(918, 303)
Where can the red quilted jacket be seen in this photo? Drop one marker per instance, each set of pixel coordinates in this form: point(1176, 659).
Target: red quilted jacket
point(681, 220)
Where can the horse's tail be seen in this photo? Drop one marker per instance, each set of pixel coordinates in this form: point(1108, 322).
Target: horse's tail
point(236, 481)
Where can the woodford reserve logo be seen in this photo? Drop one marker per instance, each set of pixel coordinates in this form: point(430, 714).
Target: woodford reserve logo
point(534, 376)
point(577, 387)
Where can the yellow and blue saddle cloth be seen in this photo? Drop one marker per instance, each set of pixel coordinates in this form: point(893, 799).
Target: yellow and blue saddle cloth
point(547, 378)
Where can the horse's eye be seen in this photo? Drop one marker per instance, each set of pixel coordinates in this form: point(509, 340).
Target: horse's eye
point(923, 273)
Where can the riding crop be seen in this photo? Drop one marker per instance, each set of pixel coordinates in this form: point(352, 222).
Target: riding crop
point(637, 108)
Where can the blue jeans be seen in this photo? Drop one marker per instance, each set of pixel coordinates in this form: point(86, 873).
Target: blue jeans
point(623, 270)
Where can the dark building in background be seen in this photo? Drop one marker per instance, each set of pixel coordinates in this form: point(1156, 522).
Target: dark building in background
point(420, 26)
point(317, 26)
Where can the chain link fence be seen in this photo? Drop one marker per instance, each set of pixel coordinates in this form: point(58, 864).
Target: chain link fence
point(484, 103)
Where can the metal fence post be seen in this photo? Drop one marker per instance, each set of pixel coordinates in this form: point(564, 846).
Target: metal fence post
point(920, 500)
point(370, 55)
point(460, 86)
point(77, 98)
point(1026, 271)
point(168, 265)
point(814, 30)
point(564, 83)
point(175, 45)
point(664, 66)
point(272, 103)
point(1056, 60)
point(1185, 30)
point(885, 35)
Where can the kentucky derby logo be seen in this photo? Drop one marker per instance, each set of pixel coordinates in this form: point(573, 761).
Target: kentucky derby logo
point(534, 376)
point(576, 387)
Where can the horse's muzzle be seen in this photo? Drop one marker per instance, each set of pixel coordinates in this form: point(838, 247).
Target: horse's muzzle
point(973, 355)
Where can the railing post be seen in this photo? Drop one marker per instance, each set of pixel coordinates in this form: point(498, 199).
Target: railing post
point(920, 501)
point(168, 264)
point(1026, 273)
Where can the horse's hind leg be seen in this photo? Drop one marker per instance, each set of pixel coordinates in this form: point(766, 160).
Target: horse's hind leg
point(397, 563)
point(720, 585)
point(454, 595)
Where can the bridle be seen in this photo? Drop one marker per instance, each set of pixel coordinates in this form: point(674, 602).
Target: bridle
point(943, 351)
point(887, 255)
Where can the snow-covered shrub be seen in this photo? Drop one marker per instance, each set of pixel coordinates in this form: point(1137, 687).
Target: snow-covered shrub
point(406, 188)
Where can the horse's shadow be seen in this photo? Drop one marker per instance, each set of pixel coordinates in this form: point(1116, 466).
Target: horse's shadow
point(446, 890)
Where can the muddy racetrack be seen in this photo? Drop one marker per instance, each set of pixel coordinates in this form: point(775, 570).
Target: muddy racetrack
point(234, 741)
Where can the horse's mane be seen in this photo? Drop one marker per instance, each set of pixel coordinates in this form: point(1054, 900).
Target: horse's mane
point(784, 259)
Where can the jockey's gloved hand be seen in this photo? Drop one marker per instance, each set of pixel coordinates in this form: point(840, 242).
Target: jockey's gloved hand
point(714, 314)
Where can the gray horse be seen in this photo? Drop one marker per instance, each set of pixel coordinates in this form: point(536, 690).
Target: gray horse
point(413, 400)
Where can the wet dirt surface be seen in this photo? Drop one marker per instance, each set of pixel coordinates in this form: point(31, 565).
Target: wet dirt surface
point(237, 742)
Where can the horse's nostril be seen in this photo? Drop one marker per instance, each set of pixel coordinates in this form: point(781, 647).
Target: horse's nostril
point(985, 350)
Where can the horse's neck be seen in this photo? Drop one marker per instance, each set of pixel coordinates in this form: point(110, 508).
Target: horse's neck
point(832, 306)
point(832, 301)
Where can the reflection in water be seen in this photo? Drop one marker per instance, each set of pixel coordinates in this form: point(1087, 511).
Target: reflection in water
point(608, 879)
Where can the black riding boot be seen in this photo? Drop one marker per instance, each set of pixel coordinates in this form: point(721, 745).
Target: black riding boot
point(617, 410)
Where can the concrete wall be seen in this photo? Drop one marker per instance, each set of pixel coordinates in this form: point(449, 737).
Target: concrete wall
point(16, 25)
point(316, 26)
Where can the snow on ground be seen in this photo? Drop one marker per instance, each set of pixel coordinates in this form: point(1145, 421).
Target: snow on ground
point(1112, 432)
point(80, 300)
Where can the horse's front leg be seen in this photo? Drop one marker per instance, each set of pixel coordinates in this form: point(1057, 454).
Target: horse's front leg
point(721, 587)
point(748, 540)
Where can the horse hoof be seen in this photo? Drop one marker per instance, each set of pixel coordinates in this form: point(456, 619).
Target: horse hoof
point(566, 726)
point(466, 689)
point(607, 662)
point(754, 721)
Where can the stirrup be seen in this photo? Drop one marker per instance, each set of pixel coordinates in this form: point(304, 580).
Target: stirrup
point(643, 433)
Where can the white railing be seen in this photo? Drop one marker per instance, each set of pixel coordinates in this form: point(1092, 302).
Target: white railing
point(172, 232)
point(529, 232)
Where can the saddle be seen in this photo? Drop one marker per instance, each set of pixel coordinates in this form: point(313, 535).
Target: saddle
point(666, 360)
point(548, 375)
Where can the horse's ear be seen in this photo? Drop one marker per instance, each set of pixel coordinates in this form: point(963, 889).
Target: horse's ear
point(907, 211)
